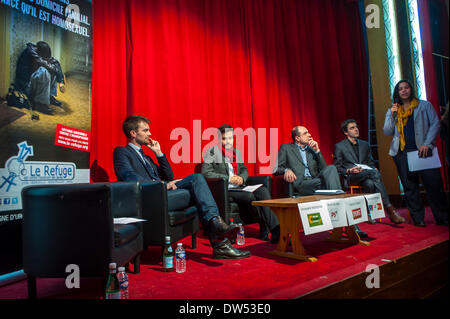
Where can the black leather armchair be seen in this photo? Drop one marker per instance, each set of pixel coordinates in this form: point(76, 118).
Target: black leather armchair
point(73, 224)
point(176, 218)
point(281, 188)
point(229, 209)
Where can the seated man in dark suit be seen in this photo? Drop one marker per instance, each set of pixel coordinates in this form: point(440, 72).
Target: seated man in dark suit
point(302, 164)
point(224, 161)
point(131, 164)
point(352, 151)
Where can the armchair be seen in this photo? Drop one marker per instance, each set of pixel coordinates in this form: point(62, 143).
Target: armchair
point(176, 217)
point(73, 224)
point(227, 207)
point(281, 188)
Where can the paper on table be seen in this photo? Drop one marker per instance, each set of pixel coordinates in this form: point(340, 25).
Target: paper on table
point(336, 209)
point(329, 191)
point(249, 188)
point(416, 163)
point(127, 220)
point(315, 217)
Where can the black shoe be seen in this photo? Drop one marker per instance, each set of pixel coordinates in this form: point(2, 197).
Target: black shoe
point(55, 101)
point(275, 238)
point(419, 224)
point(224, 250)
point(218, 229)
point(360, 233)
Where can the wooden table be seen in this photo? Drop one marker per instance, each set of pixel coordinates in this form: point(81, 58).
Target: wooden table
point(288, 215)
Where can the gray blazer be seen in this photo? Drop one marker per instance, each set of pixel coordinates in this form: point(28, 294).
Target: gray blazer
point(214, 165)
point(289, 157)
point(426, 127)
point(345, 157)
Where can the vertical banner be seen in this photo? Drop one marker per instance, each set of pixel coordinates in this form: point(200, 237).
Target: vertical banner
point(45, 100)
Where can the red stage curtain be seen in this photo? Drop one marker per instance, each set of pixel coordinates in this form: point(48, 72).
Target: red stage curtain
point(189, 65)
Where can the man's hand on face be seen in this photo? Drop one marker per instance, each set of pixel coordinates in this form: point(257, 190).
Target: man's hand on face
point(314, 145)
point(154, 147)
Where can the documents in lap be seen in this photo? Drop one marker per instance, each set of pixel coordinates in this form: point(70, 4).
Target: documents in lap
point(249, 188)
point(416, 163)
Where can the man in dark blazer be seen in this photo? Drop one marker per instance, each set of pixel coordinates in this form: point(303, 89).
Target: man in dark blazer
point(351, 152)
point(131, 164)
point(224, 161)
point(302, 164)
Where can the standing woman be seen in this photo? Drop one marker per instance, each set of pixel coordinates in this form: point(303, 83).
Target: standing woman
point(414, 125)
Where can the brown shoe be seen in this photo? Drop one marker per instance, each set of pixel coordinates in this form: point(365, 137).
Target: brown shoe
point(394, 216)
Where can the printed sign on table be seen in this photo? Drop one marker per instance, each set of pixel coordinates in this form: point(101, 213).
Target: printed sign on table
point(315, 217)
point(375, 205)
point(336, 209)
point(356, 209)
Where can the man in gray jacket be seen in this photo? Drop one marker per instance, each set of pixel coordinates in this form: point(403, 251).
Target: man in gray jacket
point(224, 161)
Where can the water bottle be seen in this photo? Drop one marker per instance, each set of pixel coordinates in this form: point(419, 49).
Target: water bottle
point(123, 281)
point(180, 258)
point(241, 235)
point(167, 256)
point(112, 285)
point(232, 240)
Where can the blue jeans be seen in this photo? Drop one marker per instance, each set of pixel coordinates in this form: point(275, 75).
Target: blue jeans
point(200, 193)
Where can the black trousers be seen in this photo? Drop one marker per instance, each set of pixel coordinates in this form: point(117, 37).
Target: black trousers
point(267, 218)
point(432, 181)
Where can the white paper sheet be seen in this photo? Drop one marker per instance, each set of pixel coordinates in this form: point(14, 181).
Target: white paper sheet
point(336, 209)
point(416, 163)
point(315, 217)
point(356, 209)
point(249, 188)
point(127, 220)
point(375, 205)
point(363, 166)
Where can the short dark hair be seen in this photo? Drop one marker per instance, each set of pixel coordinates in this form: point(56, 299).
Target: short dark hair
point(131, 123)
point(295, 131)
point(344, 125)
point(43, 50)
point(396, 95)
point(225, 128)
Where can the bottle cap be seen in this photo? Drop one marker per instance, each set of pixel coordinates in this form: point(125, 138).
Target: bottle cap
point(112, 266)
point(121, 269)
point(180, 244)
point(167, 238)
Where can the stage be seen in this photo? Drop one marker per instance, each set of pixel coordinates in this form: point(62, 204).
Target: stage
point(412, 261)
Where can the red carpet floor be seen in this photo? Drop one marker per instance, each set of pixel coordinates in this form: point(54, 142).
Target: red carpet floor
point(261, 276)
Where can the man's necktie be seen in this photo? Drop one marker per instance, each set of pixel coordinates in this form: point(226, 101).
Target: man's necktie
point(150, 169)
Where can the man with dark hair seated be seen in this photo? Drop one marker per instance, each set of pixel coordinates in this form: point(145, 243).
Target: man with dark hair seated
point(37, 75)
point(302, 164)
point(352, 151)
point(224, 161)
point(131, 164)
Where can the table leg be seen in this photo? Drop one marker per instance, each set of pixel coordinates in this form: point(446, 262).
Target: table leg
point(290, 224)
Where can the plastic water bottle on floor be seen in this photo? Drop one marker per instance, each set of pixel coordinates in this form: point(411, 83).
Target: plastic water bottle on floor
point(180, 258)
point(241, 235)
point(123, 281)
